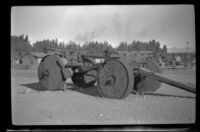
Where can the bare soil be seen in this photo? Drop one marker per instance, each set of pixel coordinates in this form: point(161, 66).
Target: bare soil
point(32, 106)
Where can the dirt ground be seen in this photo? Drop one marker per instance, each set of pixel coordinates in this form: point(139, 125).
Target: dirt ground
point(31, 106)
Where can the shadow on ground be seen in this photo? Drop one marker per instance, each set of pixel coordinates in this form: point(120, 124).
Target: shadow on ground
point(162, 95)
point(92, 91)
point(35, 86)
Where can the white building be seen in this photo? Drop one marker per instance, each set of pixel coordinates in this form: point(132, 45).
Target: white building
point(38, 56)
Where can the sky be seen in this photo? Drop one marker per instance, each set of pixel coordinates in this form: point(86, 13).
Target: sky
point(171, 25)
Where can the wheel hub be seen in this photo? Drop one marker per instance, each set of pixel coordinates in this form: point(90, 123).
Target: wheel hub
point(110, 81)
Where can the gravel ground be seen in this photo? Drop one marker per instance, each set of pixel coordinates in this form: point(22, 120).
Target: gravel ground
point(85, 106)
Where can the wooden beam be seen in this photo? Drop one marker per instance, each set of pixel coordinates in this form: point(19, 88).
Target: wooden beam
point(163, 79)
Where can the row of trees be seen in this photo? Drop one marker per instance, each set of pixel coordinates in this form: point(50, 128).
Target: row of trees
point(152, 45)
point(20, 46)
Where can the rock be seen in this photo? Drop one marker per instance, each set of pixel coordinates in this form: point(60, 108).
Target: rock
point(50, 116)
point(115, 108)
point(100, 115)
point(65, 89)
point(131, 117)
point(137, 122)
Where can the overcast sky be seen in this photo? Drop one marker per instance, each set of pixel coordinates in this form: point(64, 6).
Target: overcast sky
point(171, 25)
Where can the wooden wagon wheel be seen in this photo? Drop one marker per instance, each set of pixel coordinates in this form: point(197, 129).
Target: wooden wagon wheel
point(50, 73)
point(145, 84)
point(115, 79)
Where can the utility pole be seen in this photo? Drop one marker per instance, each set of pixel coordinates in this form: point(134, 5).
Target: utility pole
point(186, 53)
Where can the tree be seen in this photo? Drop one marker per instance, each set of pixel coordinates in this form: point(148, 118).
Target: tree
point(72, 45)
point(20, 45)
point(164, 51)
point(61, 45)
point(122, 46)
point(40, 45)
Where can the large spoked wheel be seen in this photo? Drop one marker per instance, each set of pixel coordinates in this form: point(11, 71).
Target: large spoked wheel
point(84, 80)
point(145, 84)
point(115, 79)
point(49, 73)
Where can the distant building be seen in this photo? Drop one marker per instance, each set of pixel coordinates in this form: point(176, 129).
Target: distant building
point(181, 57)
point(28, 62)
point(135, 55)
point(31, 60)
point(178, 58)
point(38, 56)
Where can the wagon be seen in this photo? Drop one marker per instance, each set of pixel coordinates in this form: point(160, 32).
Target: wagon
point(116, 76)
